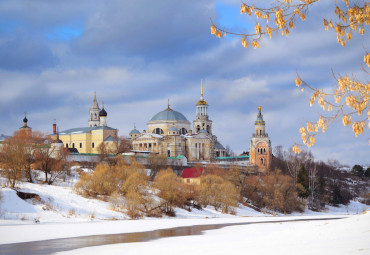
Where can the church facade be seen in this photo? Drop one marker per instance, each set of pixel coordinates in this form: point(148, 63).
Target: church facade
point(87, 139)
point(170, 133)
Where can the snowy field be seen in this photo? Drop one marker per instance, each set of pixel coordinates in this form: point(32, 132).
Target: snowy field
point(61, 213)
point(345, 236)
point(60, 204)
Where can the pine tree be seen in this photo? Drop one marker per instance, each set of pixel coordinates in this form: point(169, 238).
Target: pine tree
point(302, 183)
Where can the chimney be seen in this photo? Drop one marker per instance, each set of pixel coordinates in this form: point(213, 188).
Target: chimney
point(54, 129)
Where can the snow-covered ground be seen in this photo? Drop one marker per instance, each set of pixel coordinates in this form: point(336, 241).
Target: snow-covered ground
point(61, 213)
point(62, 204)
point(345, 236)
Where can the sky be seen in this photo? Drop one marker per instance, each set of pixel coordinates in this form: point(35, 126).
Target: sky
point(136, 55)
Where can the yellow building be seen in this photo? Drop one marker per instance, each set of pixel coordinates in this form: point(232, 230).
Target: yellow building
point(88, 139)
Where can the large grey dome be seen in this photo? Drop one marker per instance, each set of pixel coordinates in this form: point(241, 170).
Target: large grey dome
point(168, 114)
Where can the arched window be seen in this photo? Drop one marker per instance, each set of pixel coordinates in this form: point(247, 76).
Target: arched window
point(208, 128)
point(95, 115)
point(91, 116)
point(261, 161)
point(158, 131)
point(183, 131)
point(198, 128)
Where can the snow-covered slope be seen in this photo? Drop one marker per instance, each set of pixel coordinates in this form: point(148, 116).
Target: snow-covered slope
point(62, 204)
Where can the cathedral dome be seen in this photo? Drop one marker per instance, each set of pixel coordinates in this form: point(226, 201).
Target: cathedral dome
point(173, 129)
point(168, 114)
point(135, 131)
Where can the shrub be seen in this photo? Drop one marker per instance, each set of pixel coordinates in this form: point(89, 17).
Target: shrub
point(358, 170)
point(214, 190)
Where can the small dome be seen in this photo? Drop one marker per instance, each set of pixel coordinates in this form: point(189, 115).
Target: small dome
point(25, 119)
point(259, 120)
point(103, 113)
point(202, 102)
point(168, 114)
point(173, 129)
point(135, 131)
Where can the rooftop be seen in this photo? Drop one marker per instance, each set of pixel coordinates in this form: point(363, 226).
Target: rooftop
point(83, 130)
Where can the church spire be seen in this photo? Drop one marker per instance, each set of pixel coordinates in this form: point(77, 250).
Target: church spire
point(201, 88)
point(95, 104)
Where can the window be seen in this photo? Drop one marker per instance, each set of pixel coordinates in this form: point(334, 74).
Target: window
point(198, 128)
point(80, 145)
point(261, 160)
point(93, 145)
point(183, 131)
point(73, 145)
point(66, 145)
point(179, 144)
point(158, 131)
point(188, 180)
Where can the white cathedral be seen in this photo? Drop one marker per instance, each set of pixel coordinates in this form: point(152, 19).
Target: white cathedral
point(170, 133)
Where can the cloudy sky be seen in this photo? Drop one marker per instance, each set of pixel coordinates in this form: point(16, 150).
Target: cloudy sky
point(136, 54)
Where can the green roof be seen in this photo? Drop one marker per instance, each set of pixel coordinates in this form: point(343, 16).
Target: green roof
point(178, 157)
point(237, 157)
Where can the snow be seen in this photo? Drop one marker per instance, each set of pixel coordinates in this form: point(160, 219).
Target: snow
point(344, 236)
point(45, 231)
point(58, 204)
point(62, 213)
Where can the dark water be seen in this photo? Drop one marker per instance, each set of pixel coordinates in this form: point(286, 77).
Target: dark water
point(65, 244)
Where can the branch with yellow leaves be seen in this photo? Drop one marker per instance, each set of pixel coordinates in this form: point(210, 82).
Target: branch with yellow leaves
point(351, 98)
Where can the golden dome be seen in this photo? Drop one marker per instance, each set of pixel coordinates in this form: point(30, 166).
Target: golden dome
point(202, 102)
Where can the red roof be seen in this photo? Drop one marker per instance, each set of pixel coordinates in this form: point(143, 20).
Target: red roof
point(192, 172)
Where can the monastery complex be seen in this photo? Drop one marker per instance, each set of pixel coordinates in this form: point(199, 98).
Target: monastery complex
point(168, 133)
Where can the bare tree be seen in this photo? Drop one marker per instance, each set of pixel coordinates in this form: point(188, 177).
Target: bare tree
point(13, 157)
point(156, 163)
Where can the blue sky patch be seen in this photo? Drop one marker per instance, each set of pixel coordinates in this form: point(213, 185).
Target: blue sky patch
point(65, 33)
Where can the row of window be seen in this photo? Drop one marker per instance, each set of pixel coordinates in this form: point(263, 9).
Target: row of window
point(73, 145)
point(160, 131)
point(261, 150)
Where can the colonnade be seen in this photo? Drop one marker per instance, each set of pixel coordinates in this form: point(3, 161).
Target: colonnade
point(153, 147)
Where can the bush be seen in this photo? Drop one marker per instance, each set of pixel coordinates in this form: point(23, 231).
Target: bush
point(107, 179)
point(214, 190)
point(367, 172)
point(357, 170)
point(171, 190)
point(276, 192)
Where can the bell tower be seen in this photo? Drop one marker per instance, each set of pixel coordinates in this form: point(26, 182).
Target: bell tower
point(202, 121)
point(94, 119)
point(260, 150)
